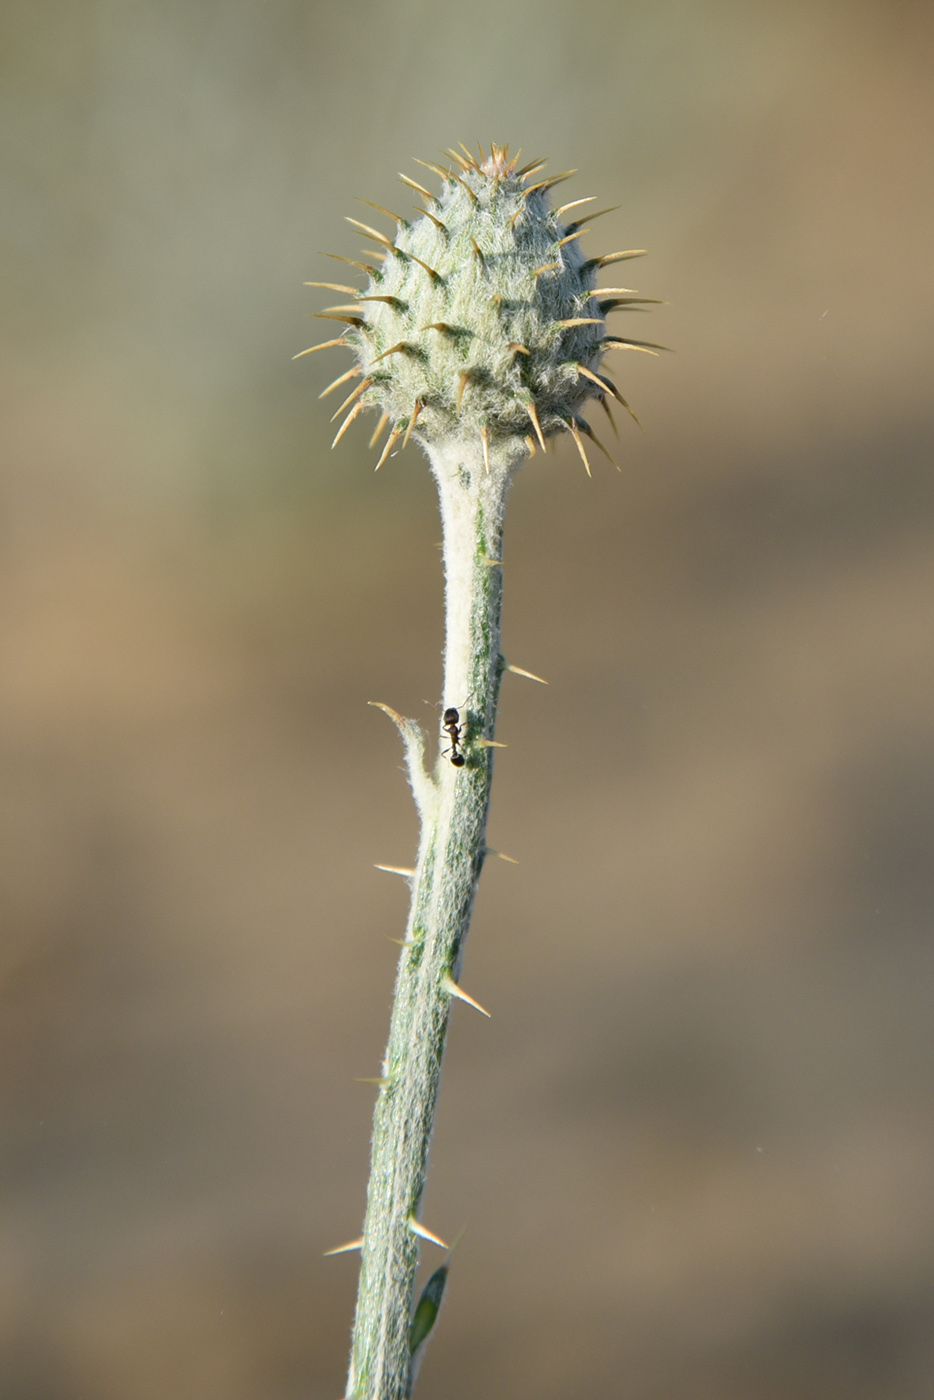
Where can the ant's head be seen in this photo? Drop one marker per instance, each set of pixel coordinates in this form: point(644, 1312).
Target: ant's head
point(452, 716)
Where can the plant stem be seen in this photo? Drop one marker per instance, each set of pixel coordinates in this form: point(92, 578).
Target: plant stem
point(453, 804)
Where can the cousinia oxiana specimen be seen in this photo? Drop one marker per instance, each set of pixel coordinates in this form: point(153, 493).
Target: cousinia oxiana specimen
point(480, 334)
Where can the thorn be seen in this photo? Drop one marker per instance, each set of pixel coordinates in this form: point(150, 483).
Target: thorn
point(361, 388)
point(403, 223)
point(351, 307)
point(390, 443)
point(377, 431)
point(619, 399)
point(622, 304)
point(491, 744)
point(357, 408)
point(580, 321)
point(546, 267)
point(464, 164)
point(341, 379)
point(605, 405)
point(462, 385)
point(394, 302)
point(413, 185)
point(437, 222)
point(393, 350)
point(599, 214)
point(530, 410)
point(624, 344)
point(495, 154)
point(477, 252)
point(529, 675)
point(610, 210)
point(424, 1233)
point(627, 303)
point(452, 989)
point(408, 432)
point(614, 291)
point(607, 383)
point(485, 440)
point(350, 320)
point(383, 1083)
point(435, 169)
point(458, 179)
point(544, 185)
point(569, 238)
point(617, 257)
point(530, 444)
point(586, 428)
point(518, 349)
point(325, 346)
point(591, 199)
point(364, 267)
point(371, 233)
point(401, 942)
point(333, 287)
point(345, 1248)
point(402, 870)
point(435, 276)
point(572, 428)
point(595, 378)
point(531, 168)
point(490, 563)
point(501, 855)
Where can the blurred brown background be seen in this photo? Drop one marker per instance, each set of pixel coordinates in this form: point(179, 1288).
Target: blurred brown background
point(693, 1149)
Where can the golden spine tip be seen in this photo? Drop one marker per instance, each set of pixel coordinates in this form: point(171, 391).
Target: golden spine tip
point(344, 1248)
point(341, 379)
point(327, 345)
point(361, 388)
point(530, 410)
point(408, 432)
point(424, 1233)
point(453, 990)
point(357, 408)
point(572, 429)
point(390, 443)
point(529, 675)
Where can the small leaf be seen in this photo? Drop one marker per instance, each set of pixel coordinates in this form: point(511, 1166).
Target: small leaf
point(429, 1305)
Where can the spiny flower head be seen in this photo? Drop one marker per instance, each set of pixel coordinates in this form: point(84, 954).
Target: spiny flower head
point(481, 318)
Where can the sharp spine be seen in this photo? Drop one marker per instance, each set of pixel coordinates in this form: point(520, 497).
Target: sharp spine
point(341, 379)
point(325, 345)
point(357, 408)
point(390, 443)
point(452, 989)
point(360, 389)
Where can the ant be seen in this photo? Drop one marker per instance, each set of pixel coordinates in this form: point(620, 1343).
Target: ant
point(451, 725)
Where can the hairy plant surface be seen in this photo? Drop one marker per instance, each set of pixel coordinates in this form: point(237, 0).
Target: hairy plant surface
point(480, 333)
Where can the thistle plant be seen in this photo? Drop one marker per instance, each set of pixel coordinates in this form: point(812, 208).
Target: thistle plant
point(480, 334)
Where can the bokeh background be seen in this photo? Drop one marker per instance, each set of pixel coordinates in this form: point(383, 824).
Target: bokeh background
point(692, 1152)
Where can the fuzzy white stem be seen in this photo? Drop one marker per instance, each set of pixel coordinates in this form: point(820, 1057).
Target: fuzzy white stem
point(451, 853)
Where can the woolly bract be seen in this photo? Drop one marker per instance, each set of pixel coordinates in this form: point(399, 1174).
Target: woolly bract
point(481, 318)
